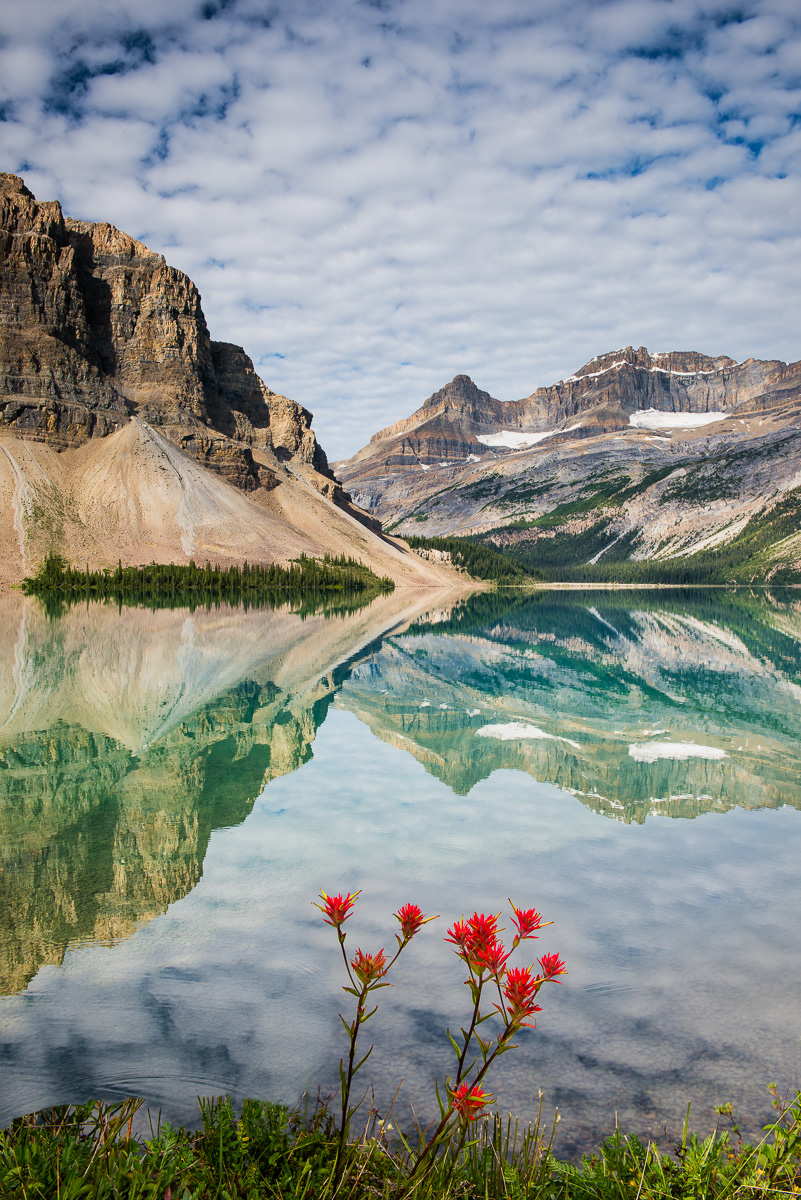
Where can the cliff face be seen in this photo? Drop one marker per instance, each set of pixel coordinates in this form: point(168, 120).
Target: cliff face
point(662, 454)
point(624, 381)
point(95, 328)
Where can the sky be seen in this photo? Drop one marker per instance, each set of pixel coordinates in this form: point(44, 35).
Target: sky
point(376, 195)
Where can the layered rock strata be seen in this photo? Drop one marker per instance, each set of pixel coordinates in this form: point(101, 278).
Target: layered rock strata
point(676, 449)
point(96, 328)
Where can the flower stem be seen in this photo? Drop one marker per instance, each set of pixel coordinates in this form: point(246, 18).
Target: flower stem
point(470, 1032)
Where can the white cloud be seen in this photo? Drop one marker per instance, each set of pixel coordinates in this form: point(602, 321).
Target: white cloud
point(374, 198)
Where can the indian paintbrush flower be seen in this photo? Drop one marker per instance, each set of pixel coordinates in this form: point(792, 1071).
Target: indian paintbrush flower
point(336, 909)
point(520, 988)
point(369, 967)
point(469, 1101)
point(478, 945)
point(477, 940)
point(411, 919)
point(551, 965)
point(459, 934)
point(490, 957)
point(526, 921)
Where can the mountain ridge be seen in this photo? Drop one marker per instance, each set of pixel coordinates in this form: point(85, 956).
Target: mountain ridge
point(663, 454)
point(126, 430)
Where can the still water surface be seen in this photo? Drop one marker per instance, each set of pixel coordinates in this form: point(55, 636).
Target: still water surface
point(175, 788)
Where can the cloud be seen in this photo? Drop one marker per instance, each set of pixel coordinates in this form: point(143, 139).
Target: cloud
point(374, 197)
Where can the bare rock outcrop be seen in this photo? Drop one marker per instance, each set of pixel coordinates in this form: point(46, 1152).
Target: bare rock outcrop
point(96, 328)
point(467, 463)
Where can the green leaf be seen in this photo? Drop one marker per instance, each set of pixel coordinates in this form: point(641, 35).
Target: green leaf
point(443, 1107)
point(362, 1061)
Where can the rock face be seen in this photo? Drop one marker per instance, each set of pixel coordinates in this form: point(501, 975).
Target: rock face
point(95, 328)
point(126, 431)
point(683, 447)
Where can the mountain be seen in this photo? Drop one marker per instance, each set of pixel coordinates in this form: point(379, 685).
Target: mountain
point(126, 431)
point(649, 456)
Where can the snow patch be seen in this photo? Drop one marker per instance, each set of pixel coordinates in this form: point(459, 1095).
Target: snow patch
point(513, 439)
point(636, 367)
point(650, 752)
point(517, 730)
point(652, 418)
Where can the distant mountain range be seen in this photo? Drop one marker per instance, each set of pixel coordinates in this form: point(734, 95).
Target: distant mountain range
point(637, 457)
point(125, 431)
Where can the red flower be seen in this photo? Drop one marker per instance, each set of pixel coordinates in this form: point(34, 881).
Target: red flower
point(469, 1101)
point(411, 918)
point(551, 966)
point(483, 930)
point(459, 934)
point(478, 943)
point(369, 967)
point(336, 909)
point(526, 921)
point(520, 988)
point(490, 957)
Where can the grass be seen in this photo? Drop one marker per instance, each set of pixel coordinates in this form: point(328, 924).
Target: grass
point(88, 1152)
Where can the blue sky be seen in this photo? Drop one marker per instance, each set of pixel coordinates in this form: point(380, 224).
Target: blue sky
point(376, 195)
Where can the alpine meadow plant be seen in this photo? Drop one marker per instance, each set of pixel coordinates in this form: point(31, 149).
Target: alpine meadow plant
point(498, 992)
point(366, 974)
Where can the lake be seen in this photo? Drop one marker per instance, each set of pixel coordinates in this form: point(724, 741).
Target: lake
point(176, 787)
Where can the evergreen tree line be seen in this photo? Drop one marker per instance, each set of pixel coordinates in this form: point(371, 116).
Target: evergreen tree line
point(753, 557)
point(478, 559)
point(310, 582)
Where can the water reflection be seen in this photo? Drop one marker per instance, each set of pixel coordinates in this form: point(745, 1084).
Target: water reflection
point(638, 704)
point(213, 772)
point(125, 739)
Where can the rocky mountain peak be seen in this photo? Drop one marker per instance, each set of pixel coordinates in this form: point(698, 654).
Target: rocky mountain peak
point(13, 183)
point(464, 462)
point(683, 362)
point(96, 328)
point(461, 396)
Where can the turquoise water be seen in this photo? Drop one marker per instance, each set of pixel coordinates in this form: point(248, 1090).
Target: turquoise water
point(175, 789)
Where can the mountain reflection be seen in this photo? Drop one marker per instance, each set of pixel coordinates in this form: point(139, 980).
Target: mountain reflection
point(654, 703)
point(126, 739)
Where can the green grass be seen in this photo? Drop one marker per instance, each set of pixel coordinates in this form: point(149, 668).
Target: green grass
point(88, 1152)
